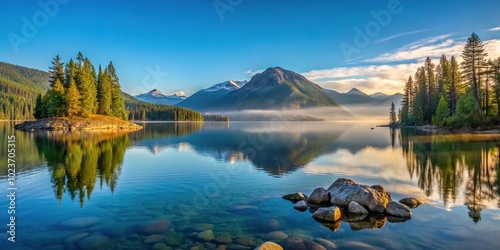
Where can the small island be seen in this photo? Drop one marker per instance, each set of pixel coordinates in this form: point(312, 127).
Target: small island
point(80, 99)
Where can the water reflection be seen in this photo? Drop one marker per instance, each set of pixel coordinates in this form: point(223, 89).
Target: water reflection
point(445, 163)
point(77, 161)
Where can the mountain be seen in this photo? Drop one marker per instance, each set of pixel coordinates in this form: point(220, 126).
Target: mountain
point(379, 96)
point(275, 88)
point(19, 87)
point(205, 97)
point(157, 97)
point(353, 96)
point(386, 102)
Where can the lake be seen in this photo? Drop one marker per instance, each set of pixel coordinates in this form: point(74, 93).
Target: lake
point(170, 185)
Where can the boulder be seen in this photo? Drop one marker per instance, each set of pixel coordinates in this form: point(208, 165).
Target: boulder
point(295, 197)
point(93, 242)
point(319, 196)
point(276, 235)
point(397, 209)
point(301, 205)
point(301, 244)
point(328, 245)
point(155, 227)
point(328, 214)
point(411, 202)
point(355, 208)
point(343, 191)
point(269, 246)
point(207, 235)
point(154, 238)
point(245, 241)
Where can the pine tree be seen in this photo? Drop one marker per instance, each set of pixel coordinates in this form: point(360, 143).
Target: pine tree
point(56, 71)
point(87, 88)
point(70, 72)
point(117, 103)
point(420, 103)
point(473, 62)
point(38, 114)
point(72, 99)
point(442, 111)
point(392, 114)
point(104, 93)
point(407, 102)
point(56, 105)
point(432, 92)
point(455, 85)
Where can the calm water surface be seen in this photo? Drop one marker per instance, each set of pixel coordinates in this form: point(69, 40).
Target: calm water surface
point(111, 190)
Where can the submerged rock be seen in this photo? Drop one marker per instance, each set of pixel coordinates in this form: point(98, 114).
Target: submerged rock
point(276, 235)
point(343, 191)
point(301, 206)
point(295, 197)
point(154, 238)
point(411, 202)
point(328, 245)
point(319, 196)
point(93, 242)
point(328, 214)
point(155, 227)
point(397, 209)
point(355, 208)
point(81, 222)
point(207, 235)
point(246, 241)
point(269, 246)
point(301, 244)
point(75, 238)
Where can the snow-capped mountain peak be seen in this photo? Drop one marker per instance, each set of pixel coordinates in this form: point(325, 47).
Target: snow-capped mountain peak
point(157, 97)
point(226, 86)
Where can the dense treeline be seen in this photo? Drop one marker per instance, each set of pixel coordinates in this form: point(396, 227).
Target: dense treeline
point(216, 118)
point(78, 90)
point(19, 87)
point(454, 95)
point(156, 112)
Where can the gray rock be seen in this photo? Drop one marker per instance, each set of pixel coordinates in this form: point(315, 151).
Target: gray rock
point(276, 235)
point(355, 208)
point(81, 222)
point(155, 227)
point(327, 214)
point(161, 246)
point(75, 238)
point(301, 244)
point(207, 235)
point(358, 245)
point(411, 202)
point(343, 191)
point(397, 209)
point(328, 245)
point(319, 196)
point(93, 242)
point(269, 246)
point(154, 238)
point(224, 239)
point(301, 206)
point(295, 197)
point(246, 241)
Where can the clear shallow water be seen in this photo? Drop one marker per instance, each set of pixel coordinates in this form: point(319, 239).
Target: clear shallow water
point(233, 177)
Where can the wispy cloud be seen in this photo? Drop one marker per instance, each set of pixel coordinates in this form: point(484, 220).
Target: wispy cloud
point(400, 35)
point(254, 72)
point(495, 29)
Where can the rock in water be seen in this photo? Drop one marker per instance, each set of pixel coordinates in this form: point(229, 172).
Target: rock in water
point(327, 214)
point(155, 227)
point(93, 242)
point(81, 222)
point(295, 197)
point(326, 244)
point(301, 206)
point(301, 244)
point(269, 246)
point(276, 235)
point(207, 235)
point(411, 202)
point(319, 196)
point(397, 209)
point(154, 238)
point(343, 191)
point(355, 208)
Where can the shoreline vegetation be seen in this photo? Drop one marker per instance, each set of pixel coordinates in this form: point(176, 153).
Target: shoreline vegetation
point(94, 122)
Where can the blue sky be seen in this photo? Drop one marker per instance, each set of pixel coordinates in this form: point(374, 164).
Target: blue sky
point(183, 45)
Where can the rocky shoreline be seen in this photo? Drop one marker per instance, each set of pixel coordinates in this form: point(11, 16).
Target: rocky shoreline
point(95, 122)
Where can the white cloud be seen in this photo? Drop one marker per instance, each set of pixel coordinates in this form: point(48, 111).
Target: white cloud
point(400, 35)
point(495, 29)
point(180, 93)
point(254, 72)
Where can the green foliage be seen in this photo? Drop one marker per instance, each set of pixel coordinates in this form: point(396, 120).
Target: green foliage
point(56, 101)
point(104, 93)
point(87, 87)
point(117, 102)
point(466, 104)
point(72, 99)
point(392, 114)
point(442, 111)
point(39, 108)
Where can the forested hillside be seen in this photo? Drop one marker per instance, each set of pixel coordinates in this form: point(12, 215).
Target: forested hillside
point(19, 87)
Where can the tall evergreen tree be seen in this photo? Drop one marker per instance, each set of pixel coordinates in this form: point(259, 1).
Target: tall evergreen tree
point(455, 85)
point(56, 71)
point(392, 114)
point(406, 102)
point(56, 105)
point(39, 108)
point(473, 62)
point(442, 111)
point(87, 88)
point(72, 99)
point(432, 92)
point(117, 102)
point(70, 72)
point(104, 95)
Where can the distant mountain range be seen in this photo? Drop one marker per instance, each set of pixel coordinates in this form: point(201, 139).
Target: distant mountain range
point(157, 97)
point(204, 97)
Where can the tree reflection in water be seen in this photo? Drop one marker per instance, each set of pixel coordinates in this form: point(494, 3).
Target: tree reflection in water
point(446, 162)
